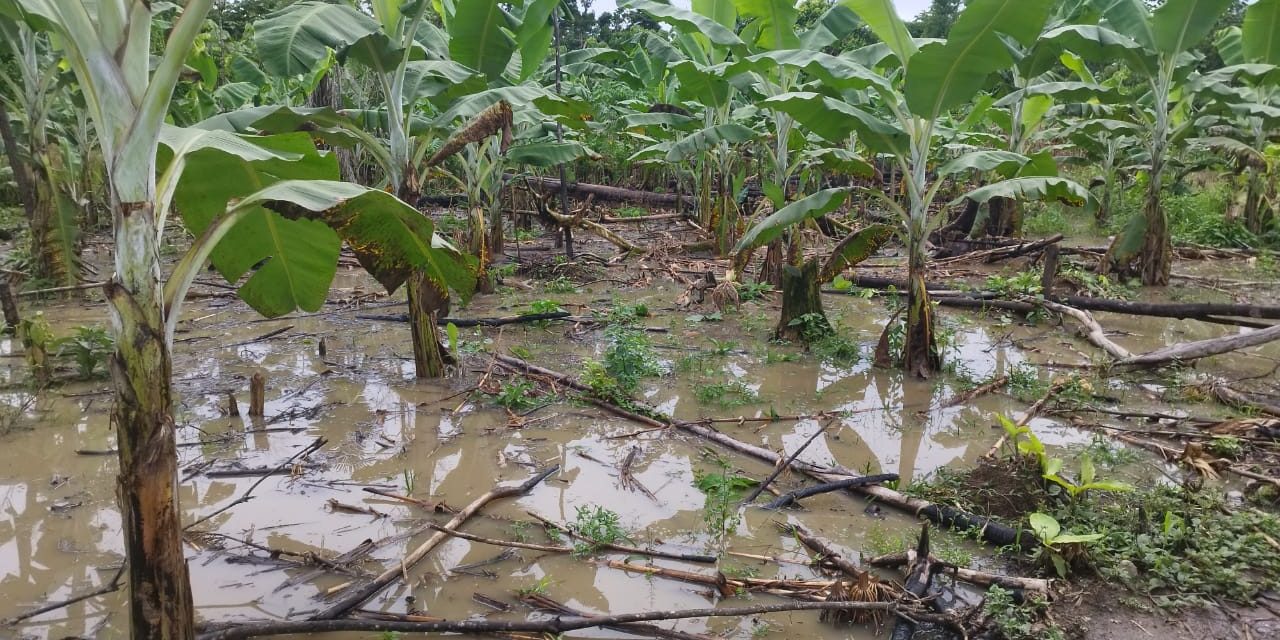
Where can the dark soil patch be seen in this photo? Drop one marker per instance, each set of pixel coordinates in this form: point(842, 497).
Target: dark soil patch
point(1096, 610)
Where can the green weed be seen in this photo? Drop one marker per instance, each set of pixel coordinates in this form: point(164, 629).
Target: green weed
point(599, 526)
point(726, 394)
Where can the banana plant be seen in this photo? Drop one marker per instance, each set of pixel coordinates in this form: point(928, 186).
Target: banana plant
point(41, 170)
point(109, 50)
point(1249, 111)
point(1154, 46)
point(899, 111)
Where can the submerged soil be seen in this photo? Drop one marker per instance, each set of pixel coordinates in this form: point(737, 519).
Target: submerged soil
point(435, 441)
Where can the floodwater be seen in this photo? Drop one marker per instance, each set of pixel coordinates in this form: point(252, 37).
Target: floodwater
point(60, 531)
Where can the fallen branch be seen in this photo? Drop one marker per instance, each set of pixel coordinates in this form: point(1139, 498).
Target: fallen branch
point(1001, 253)
point(1093, 330)
point(1189, 351)
point(551, 625)
point(972, 576)
point(786, 464)
point(976, 392)
point(248, 494)
point(543, 603)
point(992, 532)
point(501, 543)
point(616, 194)
point(1235, 398)
point(362, 594)
point(477, 322)
point(825, 551)
point(110, 587)
point(788, 499)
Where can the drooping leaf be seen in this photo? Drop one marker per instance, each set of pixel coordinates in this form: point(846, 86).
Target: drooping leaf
point(291, 261)
point(732, 133)
point(1006, 163)
point(549, 154)
point(1230, 45)
point(535, 35)
point(235, 95)
point(835, 120)
point(841, 162)
point(477, 39)
point(838, 22)
point(1097, 44)
point(295, 39)
point(1131, 18)
point(776, 20)
point(674, 120)
point(687, 22)
point(706, 84)
point(835, 72)
point(944, 76)
point(855, 248)
point(1234, 149)
point(1038, 188)
point(1179, 25)
point(809, 207)
point(1260, 33)
point(882, 17)
point(1128, 244)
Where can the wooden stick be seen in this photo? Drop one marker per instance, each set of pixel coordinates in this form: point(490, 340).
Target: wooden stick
point(788, 499)
point(825, 551)
point(248, 494)
point(1190, 351)
point(501, 543)
point(786, 464)
point(972, 576)
point(543, 603)
point(361, 595)
point(112, 586)
point(74, 287)
point(550, 625)
point(8, 306)
point(975, 392)
point(257, 396)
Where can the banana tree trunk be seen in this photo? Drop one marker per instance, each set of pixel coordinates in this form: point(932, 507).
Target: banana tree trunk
point(160, 603)
point(1253, 203)
point(726, 225)
point(920, 347)
point(1004, 218)
point(426, 305)
point(1157, 249)
point(801, 297)
point(26, 190)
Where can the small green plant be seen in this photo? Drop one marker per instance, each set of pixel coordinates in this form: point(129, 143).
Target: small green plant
point(749, 291)
point(630, 212)
point(813, 327)
point(408, 475)
point(722, 347)
point(516, 395)
point(1058, 547)
point(1025, 382)
point(1014, 621)
point(1229, 447)
point(629, 357)
point(560, 284)
point(451, 330)
point(835, 348)
point(599, 527)
point(1021, 283)
point(726, 394)
point(538, 588)
point(724, 490)
point(1052, 468)
point(525, 235)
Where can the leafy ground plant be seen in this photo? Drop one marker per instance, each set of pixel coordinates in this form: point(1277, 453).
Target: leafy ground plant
point(726, 394)
point(599, 526)
point(724, 489)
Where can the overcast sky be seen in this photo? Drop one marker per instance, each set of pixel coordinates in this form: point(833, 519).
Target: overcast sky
point(908, 9)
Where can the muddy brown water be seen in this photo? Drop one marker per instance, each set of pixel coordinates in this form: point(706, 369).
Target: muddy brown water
point(60, 530)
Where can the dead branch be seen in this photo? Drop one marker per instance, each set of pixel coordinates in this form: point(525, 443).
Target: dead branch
point(362, 594)
point(972, 576)
point(786, 464)
point(248, 494)
point(1093, 330)
point(788, 499)
point(657, 553)
point(992, 532)
point(543, 603)
point(110, 587)
point(976, 392)
point(551, 625)
point(1189, 351)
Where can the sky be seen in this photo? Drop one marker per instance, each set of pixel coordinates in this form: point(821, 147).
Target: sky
point(908, 9)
